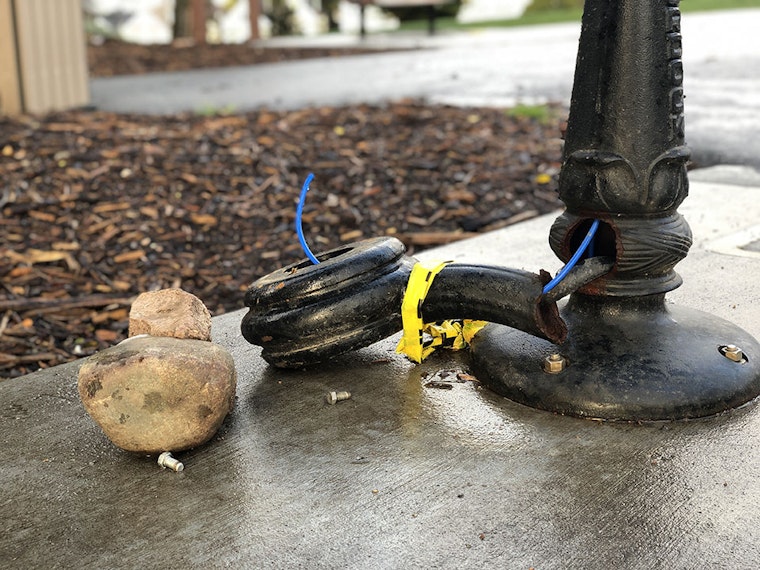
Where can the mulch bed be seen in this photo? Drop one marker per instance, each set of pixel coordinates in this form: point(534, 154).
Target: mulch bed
point(98, 207)
point(118, 58)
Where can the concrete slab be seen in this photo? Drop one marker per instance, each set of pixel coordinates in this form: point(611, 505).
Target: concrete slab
point(400, 476)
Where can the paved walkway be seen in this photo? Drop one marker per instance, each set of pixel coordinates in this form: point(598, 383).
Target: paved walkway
point(488, 67)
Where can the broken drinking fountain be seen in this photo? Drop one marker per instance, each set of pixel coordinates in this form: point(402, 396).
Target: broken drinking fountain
point(616, 349)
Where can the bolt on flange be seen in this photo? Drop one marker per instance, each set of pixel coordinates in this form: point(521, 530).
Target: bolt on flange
point(554, 363)
point(166, 461)
point(733, 353)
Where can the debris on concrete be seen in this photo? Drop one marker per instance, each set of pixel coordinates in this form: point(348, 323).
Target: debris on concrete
point(166, 461)
point(439, 385)
point(334, 397)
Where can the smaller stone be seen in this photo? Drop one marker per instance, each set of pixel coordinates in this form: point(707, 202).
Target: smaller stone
point(170, 312)
point(153, 394)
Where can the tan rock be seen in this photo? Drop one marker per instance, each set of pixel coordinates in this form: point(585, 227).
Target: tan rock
point(170, 312)
point(153, 394)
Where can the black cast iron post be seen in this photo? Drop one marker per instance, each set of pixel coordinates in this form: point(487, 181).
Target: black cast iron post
point(628, 354)
point(616, 350)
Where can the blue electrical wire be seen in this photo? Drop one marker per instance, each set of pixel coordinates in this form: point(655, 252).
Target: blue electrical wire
point(299, 215)
point(574, 259)
point(587, 241)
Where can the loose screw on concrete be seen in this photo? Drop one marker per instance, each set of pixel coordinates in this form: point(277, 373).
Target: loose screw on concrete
point(733, 353)
point(554, 363)
point(333, 397)
point(165, 460)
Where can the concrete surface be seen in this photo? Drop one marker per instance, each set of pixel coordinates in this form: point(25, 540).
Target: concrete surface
point(727, 174)
point(400, 476)
point(485, 67)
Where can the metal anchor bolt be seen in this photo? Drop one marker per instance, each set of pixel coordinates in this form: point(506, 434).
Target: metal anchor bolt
point(333, 397)
point(165, 460)
point(732, 352)
point(554, 363)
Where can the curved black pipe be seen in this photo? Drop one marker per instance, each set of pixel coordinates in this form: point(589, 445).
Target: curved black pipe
point(305, 313)
point(496, 294)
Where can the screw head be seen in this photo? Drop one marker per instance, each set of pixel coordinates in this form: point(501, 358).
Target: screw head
point(554, 363)
point(733, 353)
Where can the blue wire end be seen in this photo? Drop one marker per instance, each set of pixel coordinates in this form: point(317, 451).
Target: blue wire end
point(299, 215)
point(574, 259)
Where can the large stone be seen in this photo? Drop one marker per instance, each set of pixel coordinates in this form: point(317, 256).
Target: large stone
point(153, 394)
point(170, 312)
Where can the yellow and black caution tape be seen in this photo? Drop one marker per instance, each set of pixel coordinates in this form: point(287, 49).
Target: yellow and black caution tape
point(454, 334)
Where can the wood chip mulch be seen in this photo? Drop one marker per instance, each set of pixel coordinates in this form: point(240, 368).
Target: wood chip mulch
point(119, 58)
point(97, 207)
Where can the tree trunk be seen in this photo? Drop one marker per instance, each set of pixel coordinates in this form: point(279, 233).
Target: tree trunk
point(254, 10)
point(181, 26)
point(200, 15)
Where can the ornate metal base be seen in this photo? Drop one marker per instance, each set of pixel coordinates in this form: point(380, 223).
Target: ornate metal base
point(624, 359)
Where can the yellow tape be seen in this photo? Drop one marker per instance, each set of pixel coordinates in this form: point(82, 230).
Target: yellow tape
point(454, 334)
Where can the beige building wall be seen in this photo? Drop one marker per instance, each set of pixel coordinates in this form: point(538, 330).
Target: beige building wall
point(10, 87)
point(43, 59)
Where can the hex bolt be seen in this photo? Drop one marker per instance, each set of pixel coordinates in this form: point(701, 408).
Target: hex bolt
point(165, 460)
point(732, 352)
point(333, 397)
point(554, 363)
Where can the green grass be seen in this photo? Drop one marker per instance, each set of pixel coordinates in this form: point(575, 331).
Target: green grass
point(530, 19)
point(553, 16)
point(705, 5)
point(213, 110)
point(541, 113)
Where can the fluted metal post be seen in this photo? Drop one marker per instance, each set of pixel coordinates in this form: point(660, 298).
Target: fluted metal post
point(628, 355)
